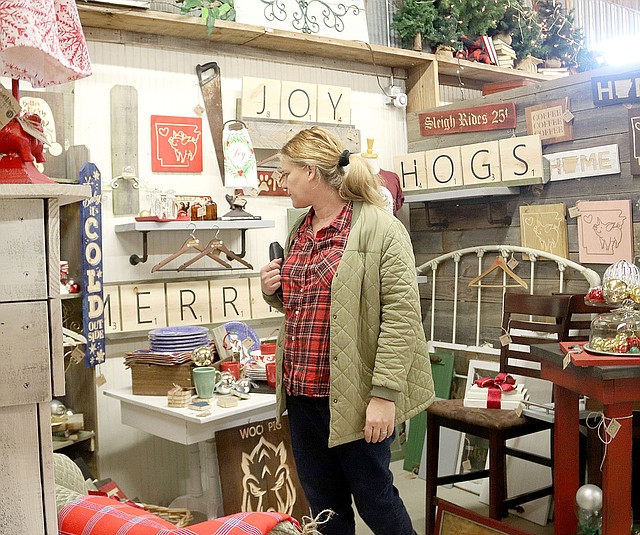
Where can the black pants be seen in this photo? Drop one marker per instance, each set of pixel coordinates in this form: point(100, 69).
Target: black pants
point(330, 477)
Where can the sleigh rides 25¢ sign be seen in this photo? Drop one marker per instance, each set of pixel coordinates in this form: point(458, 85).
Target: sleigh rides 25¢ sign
point(477, 119)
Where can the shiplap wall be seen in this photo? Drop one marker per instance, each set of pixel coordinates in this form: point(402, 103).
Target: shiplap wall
point(496, 220)
point(152, 469)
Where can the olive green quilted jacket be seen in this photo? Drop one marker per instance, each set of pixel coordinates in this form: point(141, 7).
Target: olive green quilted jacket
point(378, 347)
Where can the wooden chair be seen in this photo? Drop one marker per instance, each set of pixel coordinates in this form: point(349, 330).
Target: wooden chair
point(520, 319)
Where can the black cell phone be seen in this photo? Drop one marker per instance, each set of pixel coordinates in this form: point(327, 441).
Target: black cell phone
point(275, 251)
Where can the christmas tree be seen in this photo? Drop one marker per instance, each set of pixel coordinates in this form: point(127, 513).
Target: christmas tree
point(521, 22)
point(560, 38)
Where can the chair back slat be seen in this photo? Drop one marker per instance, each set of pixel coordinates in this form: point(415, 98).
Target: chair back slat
point(548, 321)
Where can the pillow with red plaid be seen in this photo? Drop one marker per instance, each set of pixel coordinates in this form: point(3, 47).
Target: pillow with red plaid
point(98, 515)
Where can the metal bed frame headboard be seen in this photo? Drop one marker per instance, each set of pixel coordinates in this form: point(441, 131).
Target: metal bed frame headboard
point(505, 251)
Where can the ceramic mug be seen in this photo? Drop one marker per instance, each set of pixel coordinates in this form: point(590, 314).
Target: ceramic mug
point(271, 374)
point(206, 379)
point(231, 366)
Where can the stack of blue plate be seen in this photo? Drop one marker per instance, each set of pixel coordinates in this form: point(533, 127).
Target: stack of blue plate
point(174, 339)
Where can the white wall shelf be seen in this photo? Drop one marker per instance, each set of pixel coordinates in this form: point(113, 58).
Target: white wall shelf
point(151, 226)
point(459, 194)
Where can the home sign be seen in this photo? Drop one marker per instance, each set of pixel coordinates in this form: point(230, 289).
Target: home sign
point(295, 101)
point(595, 161)
point(511, 162)
point(616, 89)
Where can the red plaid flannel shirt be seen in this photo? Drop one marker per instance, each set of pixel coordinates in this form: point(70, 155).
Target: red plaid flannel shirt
point(307, 275)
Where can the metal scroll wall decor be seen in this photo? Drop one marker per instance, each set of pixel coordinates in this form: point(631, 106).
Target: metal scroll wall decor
point(305, 20)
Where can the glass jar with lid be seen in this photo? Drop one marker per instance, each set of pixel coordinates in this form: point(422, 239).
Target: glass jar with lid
point(616, 332)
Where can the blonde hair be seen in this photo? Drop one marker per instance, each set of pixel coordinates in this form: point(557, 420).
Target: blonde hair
point(321, 149)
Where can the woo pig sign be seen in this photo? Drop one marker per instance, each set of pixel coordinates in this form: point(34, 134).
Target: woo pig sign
point(510, 162)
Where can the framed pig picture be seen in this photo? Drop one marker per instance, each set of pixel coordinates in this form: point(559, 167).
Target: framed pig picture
point(605, 232)
point(176, 144)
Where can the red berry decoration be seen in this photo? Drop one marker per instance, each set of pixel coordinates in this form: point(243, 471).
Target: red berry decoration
point(633, 341)
point(595, 294)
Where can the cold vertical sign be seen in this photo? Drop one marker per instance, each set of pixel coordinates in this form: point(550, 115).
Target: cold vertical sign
point(92, 299)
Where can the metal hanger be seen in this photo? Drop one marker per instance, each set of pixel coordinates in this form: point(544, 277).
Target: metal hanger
point(189, 245)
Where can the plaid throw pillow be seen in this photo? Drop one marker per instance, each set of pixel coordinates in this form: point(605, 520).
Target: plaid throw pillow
point(97, 515)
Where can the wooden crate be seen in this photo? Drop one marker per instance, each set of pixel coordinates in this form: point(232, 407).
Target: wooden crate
point(153, 380)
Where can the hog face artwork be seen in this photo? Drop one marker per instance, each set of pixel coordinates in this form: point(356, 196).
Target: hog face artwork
point(267, 479)
point(15, 140)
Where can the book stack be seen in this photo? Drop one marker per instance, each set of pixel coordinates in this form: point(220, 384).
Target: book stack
point(505, 54)
point(494, 398)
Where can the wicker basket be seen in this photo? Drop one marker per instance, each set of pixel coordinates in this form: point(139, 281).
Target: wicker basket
point(179, 517)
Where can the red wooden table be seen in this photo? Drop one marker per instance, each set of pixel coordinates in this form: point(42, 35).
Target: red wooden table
point(616, 387)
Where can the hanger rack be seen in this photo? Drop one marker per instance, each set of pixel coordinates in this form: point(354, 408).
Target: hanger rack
point(144, 227)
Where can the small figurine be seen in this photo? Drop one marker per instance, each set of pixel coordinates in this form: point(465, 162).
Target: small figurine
point(237, 204)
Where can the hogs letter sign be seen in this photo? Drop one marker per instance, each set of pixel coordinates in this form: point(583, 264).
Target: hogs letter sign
point(92, 301)
point(489, 117)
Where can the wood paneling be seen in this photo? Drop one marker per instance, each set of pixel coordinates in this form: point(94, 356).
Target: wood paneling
point(441, 227)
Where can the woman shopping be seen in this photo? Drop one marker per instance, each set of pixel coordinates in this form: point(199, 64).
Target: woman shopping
point(352, 359)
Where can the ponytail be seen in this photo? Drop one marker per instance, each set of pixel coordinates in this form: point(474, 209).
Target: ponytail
point(349, 174)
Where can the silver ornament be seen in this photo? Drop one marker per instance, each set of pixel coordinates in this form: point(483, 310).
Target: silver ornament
point(589, 498)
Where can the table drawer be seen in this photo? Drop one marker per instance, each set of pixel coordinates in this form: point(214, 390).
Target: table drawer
point(24, 353)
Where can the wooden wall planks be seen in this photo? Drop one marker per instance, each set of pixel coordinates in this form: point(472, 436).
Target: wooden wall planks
point(488, 220)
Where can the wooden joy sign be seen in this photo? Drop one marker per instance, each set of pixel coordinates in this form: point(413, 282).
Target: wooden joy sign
point(295, 101)
point(481, 164)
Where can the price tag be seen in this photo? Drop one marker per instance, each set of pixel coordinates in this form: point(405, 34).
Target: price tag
point(574, 211)
point(567, 116)
point(247, 343)
point(101, 380)
point(566, 360)
point(505, 339)
point(9, 106)
point(512, 263)
point(518, 409)
point(466, 465)
point(77, 355)
point(613, 428)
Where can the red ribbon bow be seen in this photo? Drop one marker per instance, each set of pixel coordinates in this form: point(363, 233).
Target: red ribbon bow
point(503, 382)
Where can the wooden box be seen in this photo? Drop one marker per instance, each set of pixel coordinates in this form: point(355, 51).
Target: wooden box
point(154, 380)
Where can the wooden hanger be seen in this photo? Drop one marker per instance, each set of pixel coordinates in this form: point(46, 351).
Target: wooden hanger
point(498, 263)
point(215, 247)
point(189, 245)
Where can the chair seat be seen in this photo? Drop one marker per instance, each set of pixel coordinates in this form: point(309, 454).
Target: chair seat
point(491, 419)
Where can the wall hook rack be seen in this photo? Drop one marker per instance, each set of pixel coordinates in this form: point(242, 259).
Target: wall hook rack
point(217, 225)
point(135, 259)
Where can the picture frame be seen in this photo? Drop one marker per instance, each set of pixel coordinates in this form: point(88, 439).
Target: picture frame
point(452, 519)
point(473, 451)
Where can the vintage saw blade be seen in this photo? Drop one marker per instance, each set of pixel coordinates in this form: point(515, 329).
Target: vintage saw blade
point(209, 80)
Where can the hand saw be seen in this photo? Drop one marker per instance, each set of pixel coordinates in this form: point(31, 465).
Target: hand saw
point(209, 80)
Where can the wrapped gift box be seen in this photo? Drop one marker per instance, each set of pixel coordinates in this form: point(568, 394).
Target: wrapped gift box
point(478, 397)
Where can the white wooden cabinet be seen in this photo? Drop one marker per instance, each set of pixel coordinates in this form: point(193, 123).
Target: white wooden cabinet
point(31, 353)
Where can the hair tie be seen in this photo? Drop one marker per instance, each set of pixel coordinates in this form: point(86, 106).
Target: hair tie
point(344, 158)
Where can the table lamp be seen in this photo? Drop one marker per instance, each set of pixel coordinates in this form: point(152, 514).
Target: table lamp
point(41, 41)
